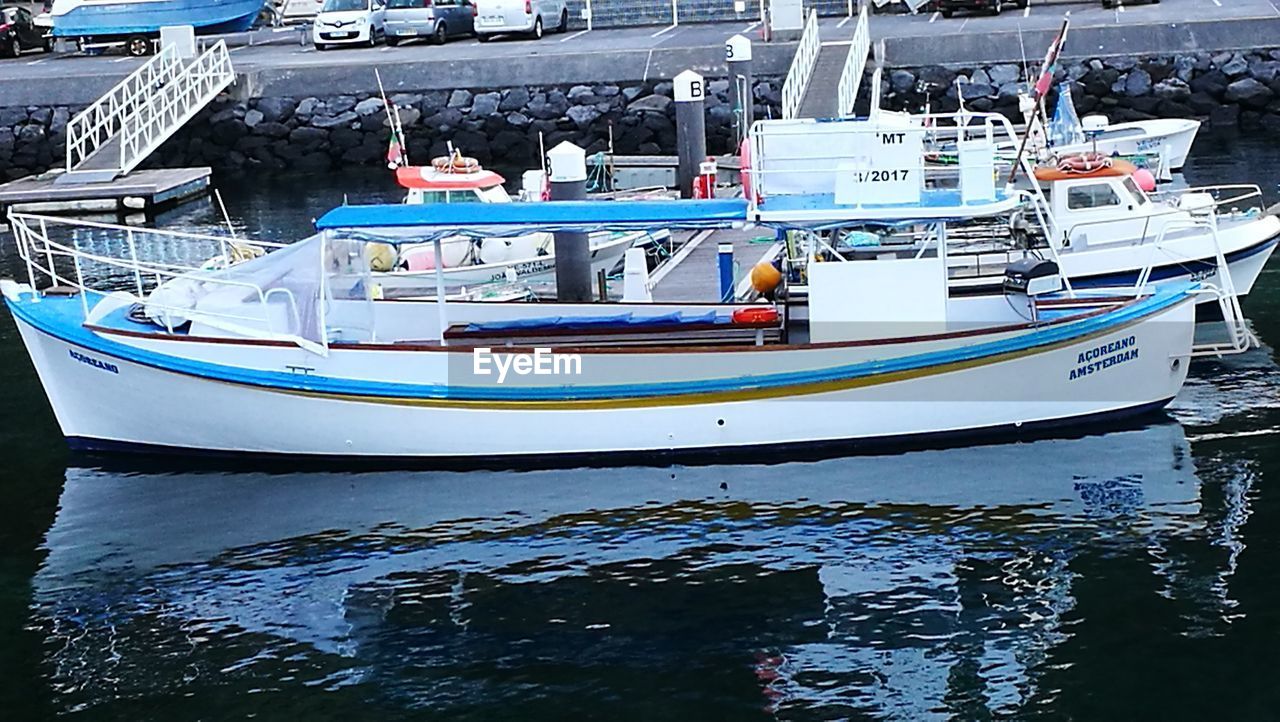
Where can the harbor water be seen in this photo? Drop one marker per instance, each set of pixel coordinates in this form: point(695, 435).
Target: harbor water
point(1115, 573)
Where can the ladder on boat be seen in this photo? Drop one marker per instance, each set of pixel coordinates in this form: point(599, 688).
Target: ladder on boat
point(823, 80)
point(114, 135)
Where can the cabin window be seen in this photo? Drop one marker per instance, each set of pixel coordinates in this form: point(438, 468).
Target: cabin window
point(1099, 195)
point(434, 197)
point(1134, 190)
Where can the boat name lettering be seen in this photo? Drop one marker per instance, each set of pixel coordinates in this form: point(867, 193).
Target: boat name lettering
point(527, 268)
point(93, 361)
point(1105, 356)
point(893, 138)
point(542, 362)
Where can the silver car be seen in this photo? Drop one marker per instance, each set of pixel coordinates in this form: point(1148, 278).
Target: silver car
point(437, 20)
point(532, 17)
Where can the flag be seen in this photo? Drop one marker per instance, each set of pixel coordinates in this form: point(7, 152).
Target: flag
point(1051, 61)
point(395, 151)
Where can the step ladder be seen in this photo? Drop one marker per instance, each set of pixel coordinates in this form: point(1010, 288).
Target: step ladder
point(114, 135)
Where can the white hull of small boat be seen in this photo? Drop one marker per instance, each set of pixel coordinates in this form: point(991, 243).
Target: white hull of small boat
point(607, 251)
point(1169, 138)
point(118, 388)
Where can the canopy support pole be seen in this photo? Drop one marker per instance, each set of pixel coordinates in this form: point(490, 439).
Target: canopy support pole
point(442, 311)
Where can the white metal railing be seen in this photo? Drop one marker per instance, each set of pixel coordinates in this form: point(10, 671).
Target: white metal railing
point(802, 65)
point(146, 107)
point(855, 65)
point(96, 125)
point(123, 275)
point(804, 157)
point(172, 104)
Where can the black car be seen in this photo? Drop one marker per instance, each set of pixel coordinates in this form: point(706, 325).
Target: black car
point(948, 7)
point(18, 32)
point(1112, 3)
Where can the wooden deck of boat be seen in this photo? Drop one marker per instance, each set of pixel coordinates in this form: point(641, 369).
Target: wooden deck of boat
point(693, 274)
point(141, 190)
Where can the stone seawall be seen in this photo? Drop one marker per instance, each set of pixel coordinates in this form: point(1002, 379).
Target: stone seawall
point(319, 133)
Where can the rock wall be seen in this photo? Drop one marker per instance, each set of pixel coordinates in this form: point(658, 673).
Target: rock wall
point(1223, 89)
point(503, 126)
point(323, 133)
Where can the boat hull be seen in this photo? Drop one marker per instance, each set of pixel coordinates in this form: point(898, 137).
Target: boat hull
point(84, 19)
point(182, 395)
point(1170, 138)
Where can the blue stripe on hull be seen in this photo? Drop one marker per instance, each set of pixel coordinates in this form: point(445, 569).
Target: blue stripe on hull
point(123, 18)
point(1106, 421)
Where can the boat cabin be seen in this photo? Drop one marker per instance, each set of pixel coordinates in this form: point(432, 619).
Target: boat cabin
point(470, 184)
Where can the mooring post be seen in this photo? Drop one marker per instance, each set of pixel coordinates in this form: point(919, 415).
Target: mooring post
point(737, 55)
point(691, 129)
point(567, 174)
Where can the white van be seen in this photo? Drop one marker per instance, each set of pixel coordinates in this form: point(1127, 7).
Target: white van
point(349, 22)
point(534, 17)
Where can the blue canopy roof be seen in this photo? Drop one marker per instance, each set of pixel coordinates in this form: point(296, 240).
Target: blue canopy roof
point(549, 215)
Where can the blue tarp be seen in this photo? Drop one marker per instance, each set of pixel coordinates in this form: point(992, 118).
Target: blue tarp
point(551, 215)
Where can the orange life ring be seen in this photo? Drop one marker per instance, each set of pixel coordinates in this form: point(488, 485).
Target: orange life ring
point(456, 164)
point(1083, 165)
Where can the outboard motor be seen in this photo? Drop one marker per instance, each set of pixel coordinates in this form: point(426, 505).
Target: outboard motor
point(1028, 278)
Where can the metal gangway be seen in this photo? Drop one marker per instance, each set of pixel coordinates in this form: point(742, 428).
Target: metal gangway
point(824, 79)
point(114, 135)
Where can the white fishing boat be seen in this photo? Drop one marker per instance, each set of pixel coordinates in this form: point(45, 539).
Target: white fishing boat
point(471, 260)
point(1095, 220)
point(291, 353)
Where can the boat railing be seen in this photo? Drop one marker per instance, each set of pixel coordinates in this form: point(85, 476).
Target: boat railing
point(52, 249)
point(844, 164)
point(183, 94)
point(854, 66)
point(802, 65)
point(1240, 338)
point(1159, 221)
point(96, 125)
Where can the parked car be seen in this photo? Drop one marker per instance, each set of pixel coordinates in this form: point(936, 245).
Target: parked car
point(532, 17)
point(1112, 3)
point(349, 22)
point(18, 32)
point(437, 20)
point(993, 7)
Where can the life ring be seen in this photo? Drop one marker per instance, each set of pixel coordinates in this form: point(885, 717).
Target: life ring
point(456, 163)
point(1070, 167)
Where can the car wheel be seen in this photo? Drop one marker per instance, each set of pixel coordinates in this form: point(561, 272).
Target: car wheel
point(48, 45)
point(997, 7)
point(564, 21)
point(1021, 4)
point(1106, 4)
point(138, 46)
point(441, 35)
point(393, 41)
point(482, 38)
point(948, 13)
point(321, 47)
point(537, 28)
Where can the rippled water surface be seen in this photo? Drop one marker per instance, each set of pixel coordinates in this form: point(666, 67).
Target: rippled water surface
point(1123, 573)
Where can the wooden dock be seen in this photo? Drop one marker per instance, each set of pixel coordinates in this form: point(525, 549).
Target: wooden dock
point(692, 274)
point(140, 191)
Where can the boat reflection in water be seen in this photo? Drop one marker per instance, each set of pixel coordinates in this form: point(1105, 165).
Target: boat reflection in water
point(911, 586)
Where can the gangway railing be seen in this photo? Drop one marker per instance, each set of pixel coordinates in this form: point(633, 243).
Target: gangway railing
point(115, 134)
point(855, 65)
point(171, 106)
point(802, 65)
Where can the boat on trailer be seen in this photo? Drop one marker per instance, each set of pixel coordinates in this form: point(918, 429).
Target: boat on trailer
point(136, 23)
point(291, 353)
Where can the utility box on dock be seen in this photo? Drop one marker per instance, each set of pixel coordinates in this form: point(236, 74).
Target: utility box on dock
point(182, 37)
point(786, 19)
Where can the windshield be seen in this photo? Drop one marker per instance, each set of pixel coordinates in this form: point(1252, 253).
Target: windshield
point(337, 6)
